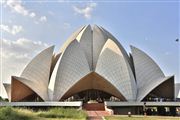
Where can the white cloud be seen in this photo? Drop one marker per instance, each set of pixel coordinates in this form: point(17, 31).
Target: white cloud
point(5, 28)
point(16, 55)
point(32, 14)
point(22, 46)
point(12, 30)
point(16, 29)
point(17, 6)
point(43, 19)
point(85, 11)
point(2, 1)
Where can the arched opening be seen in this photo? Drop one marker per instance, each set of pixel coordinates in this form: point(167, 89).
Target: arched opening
point(22, 93)
point(163, 92)
point(93, 95)
point(93, 87)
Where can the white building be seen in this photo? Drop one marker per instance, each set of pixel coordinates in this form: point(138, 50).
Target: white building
point(91, 64)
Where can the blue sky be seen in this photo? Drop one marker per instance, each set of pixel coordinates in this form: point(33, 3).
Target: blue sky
point(28, 27)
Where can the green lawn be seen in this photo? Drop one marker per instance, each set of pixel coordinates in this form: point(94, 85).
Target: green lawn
point(118, 117)
point(57, 113)
point(9, 113)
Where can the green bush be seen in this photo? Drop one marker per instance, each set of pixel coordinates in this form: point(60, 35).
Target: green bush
point(62, 113)
point(8, 113)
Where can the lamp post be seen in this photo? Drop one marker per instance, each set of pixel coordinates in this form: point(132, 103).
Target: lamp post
point(144, 109)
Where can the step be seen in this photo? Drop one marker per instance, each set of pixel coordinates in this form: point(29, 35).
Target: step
point(94, 106)
point(97, 115)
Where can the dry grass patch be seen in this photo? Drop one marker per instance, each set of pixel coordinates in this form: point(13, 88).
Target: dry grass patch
point(119, 117)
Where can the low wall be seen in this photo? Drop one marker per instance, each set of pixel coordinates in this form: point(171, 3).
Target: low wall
point(109, 110)
point(62, 104)
point(110, 103)
point(138, 107)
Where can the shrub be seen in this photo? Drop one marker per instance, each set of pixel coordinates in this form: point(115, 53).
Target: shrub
point(62, 113)
point(8, 113)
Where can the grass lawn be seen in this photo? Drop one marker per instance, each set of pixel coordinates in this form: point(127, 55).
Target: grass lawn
point(118, 117)
point(10, 113)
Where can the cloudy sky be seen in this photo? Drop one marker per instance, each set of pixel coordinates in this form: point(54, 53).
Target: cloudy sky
point(29, 26)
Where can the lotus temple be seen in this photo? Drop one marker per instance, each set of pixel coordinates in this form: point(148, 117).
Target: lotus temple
point(92, 65)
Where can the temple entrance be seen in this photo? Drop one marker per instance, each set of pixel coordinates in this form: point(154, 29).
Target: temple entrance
point(93, 100)
point(92, 87)
point(94, 96)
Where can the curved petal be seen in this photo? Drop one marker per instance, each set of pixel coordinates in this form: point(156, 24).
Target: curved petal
point(85, 40)
point(113, 66)
point(7, 87)
point(110, 36)
point(19, 89)
point(38, 71)
point(70, 68)
point(177, 90)
point(51, 86)
point(33, 88)
point(71, 38)
point(99, 39)
point(93, 81)
point(146, 70)
point(146, 89)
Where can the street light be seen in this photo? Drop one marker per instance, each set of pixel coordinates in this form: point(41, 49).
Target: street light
point(144, 107)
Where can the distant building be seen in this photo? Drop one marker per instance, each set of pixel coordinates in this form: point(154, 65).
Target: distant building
point(91, 65)
point(177, 90)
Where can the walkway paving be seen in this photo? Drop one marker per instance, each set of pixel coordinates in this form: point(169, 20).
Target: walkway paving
point(96, 115)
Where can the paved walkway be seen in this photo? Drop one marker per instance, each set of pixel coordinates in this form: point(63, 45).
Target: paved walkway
point(96, 115)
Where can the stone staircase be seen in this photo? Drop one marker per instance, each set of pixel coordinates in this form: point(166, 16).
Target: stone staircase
point(95, 111)
point(94, 107)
